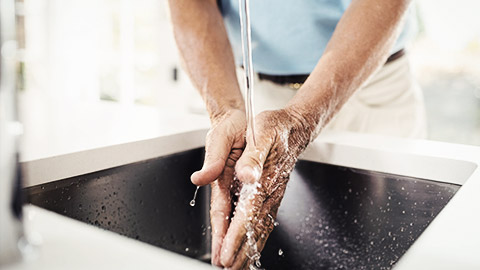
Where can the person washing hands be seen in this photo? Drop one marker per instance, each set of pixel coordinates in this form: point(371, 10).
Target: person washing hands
point(335, 65)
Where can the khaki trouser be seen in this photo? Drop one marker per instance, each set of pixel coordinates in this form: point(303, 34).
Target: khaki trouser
point(390, 103)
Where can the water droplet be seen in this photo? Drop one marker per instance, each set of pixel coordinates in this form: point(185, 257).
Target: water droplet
point(276, 223)
point(280, 252)
point(192, 202)
point(187, 249)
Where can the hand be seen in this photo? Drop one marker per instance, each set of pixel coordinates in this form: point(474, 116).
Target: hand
point(224, 144)
point(263, 171)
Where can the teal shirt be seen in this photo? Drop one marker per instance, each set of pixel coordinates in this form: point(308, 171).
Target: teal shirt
point(289, 36)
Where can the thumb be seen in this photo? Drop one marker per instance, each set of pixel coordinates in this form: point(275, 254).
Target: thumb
point(250, 165)
point(217, 148)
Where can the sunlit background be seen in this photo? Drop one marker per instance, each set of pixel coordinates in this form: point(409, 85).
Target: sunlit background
point(94, 65)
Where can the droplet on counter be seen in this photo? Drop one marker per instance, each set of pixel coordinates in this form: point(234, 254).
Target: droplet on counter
point(276, 223)
point(280, 252)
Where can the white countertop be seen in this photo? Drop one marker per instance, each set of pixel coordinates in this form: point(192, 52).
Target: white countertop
point(452, 240)
point(57, 128)
point(69, 244)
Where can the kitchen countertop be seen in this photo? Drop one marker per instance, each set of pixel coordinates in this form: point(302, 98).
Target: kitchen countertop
point(64, 243)
point(57, 128)
point(452, 241)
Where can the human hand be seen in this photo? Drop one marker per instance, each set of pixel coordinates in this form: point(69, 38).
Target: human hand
point(262, 174)
point(224, 144)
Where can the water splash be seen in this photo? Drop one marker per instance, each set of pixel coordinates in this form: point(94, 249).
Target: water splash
point(253, 254)
point(247, 195)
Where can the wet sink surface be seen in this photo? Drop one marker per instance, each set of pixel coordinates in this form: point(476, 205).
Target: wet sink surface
point(332, 217)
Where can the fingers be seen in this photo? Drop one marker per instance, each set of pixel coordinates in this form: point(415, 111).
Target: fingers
point(253, 244)
point(250, 165)
point(220, 210)
point(248, 169)
point(241, 260)
point(233, 239)
point(249, 252)
point(236, 249)
point(217, 147)
point(248, 205)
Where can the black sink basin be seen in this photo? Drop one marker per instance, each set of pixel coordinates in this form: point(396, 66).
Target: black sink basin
point(332, 217)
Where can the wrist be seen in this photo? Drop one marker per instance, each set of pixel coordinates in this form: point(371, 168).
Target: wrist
point(309, 117)
point(219, 112)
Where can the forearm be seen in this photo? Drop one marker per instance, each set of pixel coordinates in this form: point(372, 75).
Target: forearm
point(360, 45)
point(206, 53)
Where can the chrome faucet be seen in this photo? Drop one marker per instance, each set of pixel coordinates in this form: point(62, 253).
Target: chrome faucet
point(11, 226)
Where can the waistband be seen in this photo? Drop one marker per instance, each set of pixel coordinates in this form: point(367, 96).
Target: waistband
point(296, 81)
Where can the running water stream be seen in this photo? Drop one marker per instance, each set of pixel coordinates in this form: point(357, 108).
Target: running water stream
point(244, 12)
